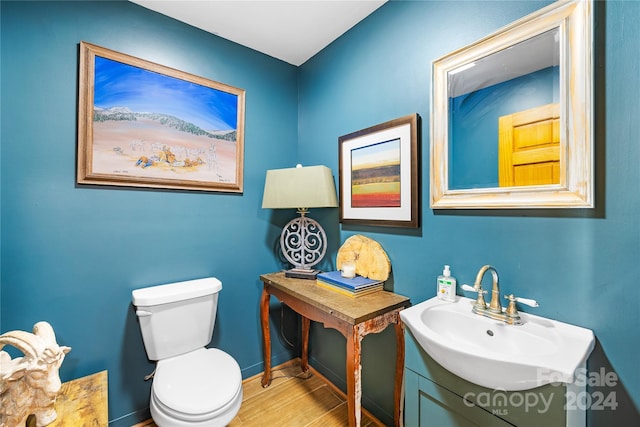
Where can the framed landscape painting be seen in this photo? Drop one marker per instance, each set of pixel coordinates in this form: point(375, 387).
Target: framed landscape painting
point(379, 174)
point(146, 125)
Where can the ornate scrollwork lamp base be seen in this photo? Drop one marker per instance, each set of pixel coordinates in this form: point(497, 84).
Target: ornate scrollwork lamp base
point(303, 243)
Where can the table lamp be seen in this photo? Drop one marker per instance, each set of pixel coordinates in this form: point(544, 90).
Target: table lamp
point(303, 241)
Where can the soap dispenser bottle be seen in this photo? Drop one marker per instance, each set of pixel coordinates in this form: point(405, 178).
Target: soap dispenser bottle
point(446, 285)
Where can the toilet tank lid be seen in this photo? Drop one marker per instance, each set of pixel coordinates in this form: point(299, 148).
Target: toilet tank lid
point(178, 291)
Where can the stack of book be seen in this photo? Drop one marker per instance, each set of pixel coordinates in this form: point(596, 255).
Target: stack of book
point(354, 287)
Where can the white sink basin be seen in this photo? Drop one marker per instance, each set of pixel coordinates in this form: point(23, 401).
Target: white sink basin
point(496, 355)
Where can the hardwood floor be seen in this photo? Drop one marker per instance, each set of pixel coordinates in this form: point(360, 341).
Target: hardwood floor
point(292, 400)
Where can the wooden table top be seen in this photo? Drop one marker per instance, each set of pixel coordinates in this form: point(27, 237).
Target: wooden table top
point(353, 310)
point(82, 402)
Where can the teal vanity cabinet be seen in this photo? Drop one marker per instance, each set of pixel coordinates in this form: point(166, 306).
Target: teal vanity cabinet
point(435, 397)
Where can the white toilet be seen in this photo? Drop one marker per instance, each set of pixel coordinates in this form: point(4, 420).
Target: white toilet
point(192, 385)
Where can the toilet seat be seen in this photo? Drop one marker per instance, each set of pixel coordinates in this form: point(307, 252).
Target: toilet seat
point(197, 386)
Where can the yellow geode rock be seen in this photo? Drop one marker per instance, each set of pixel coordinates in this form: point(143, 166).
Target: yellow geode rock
point(370, 259)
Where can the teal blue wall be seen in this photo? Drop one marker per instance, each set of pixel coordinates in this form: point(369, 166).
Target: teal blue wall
point(581, 265)
point(72, 254)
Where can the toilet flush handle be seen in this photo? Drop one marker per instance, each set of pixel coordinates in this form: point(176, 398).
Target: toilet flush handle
point(143, 313)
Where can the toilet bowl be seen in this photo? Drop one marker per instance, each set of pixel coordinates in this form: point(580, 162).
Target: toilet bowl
point(201, 388)
point(192, 385)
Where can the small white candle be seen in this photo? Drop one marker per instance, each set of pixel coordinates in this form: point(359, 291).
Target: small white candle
point(348, 270)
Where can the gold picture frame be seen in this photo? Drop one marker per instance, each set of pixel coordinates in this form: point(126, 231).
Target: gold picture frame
point(142, 124)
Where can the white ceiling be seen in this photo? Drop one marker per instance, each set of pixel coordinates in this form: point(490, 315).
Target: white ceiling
point(293, 30)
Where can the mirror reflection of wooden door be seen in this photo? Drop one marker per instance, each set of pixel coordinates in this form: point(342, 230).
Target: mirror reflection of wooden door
point(529, 147)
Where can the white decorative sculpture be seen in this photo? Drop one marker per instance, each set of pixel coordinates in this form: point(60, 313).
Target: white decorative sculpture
point(30, 384)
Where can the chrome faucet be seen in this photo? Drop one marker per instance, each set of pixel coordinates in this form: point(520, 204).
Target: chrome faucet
point(494, 310)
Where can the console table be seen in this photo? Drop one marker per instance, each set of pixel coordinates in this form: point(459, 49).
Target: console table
point(352, 317)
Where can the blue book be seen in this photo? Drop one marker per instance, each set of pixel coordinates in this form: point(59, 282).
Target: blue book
point(357, 282)
point(353, 293)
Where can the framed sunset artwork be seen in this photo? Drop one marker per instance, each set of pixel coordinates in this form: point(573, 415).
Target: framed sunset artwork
point(379, 174)
point(143, 124)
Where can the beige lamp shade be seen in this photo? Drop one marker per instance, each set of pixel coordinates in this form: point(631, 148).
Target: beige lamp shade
point(299, 187)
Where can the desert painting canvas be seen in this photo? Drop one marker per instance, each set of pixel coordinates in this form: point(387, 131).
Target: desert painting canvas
point(148, 127)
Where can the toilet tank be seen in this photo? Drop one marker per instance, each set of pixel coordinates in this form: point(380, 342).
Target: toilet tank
point(177, 318)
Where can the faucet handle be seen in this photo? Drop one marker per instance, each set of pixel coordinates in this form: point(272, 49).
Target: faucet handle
point(480, 303)
point(466, 287)
point(526, 301)
point(512, 311)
